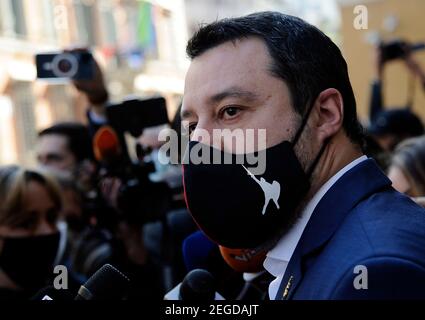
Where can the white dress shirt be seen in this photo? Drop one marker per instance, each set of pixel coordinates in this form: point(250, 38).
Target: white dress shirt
point(278, 258)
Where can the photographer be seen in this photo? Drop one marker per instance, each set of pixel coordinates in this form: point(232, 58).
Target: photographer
point(390, 127)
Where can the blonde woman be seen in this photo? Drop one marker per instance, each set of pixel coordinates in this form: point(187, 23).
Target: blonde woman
point(29, 238)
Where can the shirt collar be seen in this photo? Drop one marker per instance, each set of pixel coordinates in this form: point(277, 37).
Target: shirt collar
point(284, 249)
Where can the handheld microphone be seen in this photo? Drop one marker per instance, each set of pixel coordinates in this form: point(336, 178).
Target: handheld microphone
point(245, 260)
point(106, 145)
point(197, 286)
point(108, 283)
point(198, 251)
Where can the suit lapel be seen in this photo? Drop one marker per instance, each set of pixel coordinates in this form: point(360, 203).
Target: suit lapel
point(354, 186)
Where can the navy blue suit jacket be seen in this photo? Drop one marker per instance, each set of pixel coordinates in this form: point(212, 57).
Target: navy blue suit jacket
point(361, 221)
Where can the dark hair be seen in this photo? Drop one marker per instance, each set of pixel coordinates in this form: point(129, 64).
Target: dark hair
point(78, 136)
point(303, 56)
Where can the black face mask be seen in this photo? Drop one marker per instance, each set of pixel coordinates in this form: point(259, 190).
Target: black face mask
point(237, 209)
point(28, 261)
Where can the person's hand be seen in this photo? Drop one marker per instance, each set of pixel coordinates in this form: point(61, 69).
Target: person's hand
point(378, 63)
point(94, 89)
point(132, 238)
point(110, 188)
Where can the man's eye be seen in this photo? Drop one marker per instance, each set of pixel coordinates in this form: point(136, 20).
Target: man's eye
point(230, 112)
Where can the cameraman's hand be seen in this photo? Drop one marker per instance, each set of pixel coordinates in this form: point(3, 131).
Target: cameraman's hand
point(94, 89)
point(110, 187)
point(378, 63)
point(132, 238)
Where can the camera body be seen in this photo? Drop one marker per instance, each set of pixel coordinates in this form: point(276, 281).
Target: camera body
point(71, 65)
point(133, 115)
point(397, 49)
point(392, 50)
point(139, 199)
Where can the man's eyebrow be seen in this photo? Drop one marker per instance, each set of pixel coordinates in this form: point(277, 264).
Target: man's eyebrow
point(233, 92)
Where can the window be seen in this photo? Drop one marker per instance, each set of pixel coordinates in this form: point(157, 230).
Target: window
point(23, 103)
point(49, 30)
point(12, 18)
point(84, 18)
point(108, 23)
point(19, 25)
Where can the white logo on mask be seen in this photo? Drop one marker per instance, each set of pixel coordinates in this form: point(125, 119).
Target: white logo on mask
point(271, 190)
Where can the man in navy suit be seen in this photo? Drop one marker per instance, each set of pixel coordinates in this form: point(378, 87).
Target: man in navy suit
point(350, 235)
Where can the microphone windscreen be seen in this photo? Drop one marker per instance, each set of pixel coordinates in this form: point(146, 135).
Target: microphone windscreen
point(107, 283)
point(197, 250)
point(198, 286)
point(106, 144)
point(244, 260)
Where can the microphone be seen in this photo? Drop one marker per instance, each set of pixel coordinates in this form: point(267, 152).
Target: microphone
point(245, 260)
point(239, 272)
point(197, 286)
point(107, 283)
point(106, 145)
point(199, 251)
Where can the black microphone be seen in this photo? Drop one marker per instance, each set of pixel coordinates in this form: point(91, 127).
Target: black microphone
point(197, 286)
point(108, 283)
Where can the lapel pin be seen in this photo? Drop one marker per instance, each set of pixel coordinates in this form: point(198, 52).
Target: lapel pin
point(288, 287)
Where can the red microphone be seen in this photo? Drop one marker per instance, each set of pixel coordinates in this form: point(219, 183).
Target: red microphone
point(106, 145)
point(245, 260)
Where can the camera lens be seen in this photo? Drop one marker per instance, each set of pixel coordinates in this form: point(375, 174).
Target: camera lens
point(65, 65)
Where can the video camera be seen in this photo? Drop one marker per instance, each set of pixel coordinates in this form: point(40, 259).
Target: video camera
point(396, 49)
point(140, 200)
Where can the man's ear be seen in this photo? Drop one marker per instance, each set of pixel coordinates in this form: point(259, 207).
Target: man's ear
point(329, 112)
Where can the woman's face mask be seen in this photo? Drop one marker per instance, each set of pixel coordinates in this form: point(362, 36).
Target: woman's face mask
point(29, 261)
